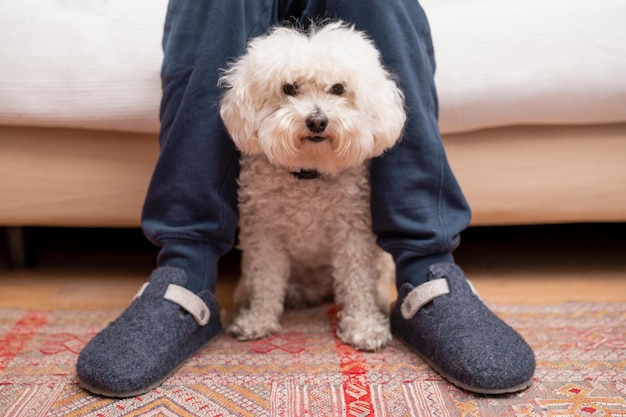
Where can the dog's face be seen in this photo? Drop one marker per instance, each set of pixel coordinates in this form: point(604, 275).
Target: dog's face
point(315, 101)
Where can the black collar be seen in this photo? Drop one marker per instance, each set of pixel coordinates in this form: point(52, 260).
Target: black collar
point(306, 174)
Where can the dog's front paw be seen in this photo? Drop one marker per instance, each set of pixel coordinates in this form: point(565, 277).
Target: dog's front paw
point(248, 326)
point(369, 332)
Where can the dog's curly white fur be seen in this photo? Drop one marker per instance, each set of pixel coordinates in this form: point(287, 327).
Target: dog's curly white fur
point(318, 102)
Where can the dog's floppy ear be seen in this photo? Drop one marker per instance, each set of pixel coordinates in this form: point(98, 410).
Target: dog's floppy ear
point(238, 110)
point(389, 115)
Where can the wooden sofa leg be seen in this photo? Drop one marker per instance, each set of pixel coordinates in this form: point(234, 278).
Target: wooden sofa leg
point(16, 243)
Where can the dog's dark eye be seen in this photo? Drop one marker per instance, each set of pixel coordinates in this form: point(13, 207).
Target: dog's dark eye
point(337, 89)
point(290, 89)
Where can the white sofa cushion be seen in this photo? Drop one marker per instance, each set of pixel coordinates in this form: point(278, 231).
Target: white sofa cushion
point(81, 63)
point(95, 63)
point(514, 62)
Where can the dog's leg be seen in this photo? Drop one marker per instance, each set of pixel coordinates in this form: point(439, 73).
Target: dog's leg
point(362, 324)
point(265, 271)
point(386, 292)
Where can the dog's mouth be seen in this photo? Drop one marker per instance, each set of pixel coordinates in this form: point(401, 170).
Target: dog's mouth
point(316, 139)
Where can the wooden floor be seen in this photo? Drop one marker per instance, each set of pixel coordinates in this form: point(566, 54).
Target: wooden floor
point(102, 269)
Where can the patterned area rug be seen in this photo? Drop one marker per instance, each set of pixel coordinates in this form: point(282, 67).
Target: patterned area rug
point(306, 371)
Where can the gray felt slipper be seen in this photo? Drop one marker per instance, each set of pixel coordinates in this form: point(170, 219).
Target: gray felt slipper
point(455, 333)
point(164, 325)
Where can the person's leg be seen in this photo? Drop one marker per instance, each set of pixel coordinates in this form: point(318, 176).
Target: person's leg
point(418, 212)
point(418, 208)
point(190, 209)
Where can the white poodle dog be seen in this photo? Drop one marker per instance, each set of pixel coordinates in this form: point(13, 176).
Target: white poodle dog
point(308, 110)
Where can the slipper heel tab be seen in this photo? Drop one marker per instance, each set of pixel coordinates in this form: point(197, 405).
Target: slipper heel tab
point(422, 295)
point(189, 302)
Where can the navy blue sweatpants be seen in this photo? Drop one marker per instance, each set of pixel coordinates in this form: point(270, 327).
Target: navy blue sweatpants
point(418, 209)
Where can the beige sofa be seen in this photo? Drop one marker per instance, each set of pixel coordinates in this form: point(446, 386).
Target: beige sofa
point(532, 99)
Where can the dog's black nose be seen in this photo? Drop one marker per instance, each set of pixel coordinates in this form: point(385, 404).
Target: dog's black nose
point(317, 122)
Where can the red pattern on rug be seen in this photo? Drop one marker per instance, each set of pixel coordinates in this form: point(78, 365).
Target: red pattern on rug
point(306, 371)
point(13, 341)
point(357, 397)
